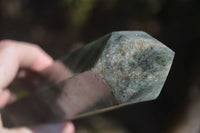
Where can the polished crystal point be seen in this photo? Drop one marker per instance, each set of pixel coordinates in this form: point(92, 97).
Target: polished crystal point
point(134, 64)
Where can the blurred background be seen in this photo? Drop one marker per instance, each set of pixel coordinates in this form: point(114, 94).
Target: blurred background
point(61, 26)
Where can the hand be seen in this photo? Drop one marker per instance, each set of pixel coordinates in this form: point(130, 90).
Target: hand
point(13, 56)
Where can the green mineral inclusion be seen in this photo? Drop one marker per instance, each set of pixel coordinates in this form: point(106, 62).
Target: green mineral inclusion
point(134, 64)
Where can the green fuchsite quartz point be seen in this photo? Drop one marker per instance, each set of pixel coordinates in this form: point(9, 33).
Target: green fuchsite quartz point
point(134, 64)
point(120, 68)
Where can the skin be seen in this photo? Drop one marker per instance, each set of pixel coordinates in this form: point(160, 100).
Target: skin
point(14, 56)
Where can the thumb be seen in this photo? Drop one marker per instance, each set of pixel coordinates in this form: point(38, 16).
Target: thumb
point(68, 128)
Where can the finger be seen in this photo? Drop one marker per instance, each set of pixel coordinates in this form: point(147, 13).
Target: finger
point(6, 97)
point(15, 54)
point(67, 127)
